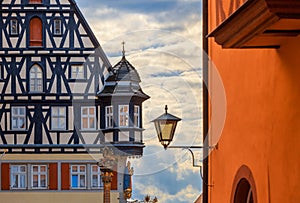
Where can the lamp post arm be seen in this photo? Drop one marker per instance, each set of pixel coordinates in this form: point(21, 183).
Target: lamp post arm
point(191, 147)
point(192, 153)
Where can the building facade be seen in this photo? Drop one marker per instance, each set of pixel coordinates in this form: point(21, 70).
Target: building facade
point(61, 103)
point(254, 45)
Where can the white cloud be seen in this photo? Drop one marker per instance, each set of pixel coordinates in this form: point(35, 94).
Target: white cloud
point(187, 194)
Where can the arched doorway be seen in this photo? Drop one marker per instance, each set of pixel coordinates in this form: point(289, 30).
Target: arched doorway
point(244, 189)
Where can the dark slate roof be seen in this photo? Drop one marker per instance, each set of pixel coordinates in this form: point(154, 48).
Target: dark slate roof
point(124, 71)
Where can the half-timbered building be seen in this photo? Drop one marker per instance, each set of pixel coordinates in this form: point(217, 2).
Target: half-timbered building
point(61, 102)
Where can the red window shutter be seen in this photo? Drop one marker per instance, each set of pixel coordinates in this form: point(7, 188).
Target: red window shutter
point(53, 176)
point(36, 32)
point(65, 176)
point(114, 182)
point(5, 176)
point(35, 1)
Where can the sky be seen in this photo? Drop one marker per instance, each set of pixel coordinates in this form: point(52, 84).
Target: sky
point(163, 42)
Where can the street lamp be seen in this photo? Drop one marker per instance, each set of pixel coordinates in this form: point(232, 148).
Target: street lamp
point(165, 126)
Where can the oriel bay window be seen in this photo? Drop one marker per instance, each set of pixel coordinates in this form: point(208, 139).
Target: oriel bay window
point(39, 176)
point(88, 118)
point(18, 176)
point(109, 117)
point(136, 116)
point(123, 115)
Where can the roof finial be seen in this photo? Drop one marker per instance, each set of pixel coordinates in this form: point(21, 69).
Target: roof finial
point(123, 43)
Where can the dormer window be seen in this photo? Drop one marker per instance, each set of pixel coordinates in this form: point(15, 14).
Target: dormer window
point(57, 27)
point(35, 1)
point(14, 27)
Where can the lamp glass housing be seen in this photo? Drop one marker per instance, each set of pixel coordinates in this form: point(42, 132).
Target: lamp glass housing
point(165, 126)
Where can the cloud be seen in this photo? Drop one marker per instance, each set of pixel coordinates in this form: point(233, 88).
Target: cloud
point(163, 42)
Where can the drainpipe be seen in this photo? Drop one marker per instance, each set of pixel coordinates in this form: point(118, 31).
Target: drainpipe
point(205, 99)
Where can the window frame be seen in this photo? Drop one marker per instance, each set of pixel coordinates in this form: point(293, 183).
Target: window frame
point(136, 116)
point(88, 117)
point(123, 115)
point(16, 33)
point(60, 27)
point(18, 116)
point(59, 116)
point(97, 173)
point(39, 173)
point(82, 73)
point(109, 116)
point(34, 82)
point(18, 173)
point(78, 173)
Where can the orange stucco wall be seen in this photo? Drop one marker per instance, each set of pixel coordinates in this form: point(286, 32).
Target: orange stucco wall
point(262, 128)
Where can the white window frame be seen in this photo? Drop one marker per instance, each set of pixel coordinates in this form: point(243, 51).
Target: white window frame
point(19, 117)
point(39, 175)
point(97, 174)
point(79, 174)
point(61, 114)
point(14, 22)
point(57, 26)
point(16, 176)
point(77, 71)
point(36, 79)
point(109, 117)
point(136, 116)
point(88, 116)
point(123, 116)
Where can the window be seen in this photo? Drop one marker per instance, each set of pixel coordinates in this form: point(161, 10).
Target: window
point(18, 176)
point(78, 174)
point(96, 181)
point(123, 115)
point(57, 27)
point(58, 118)
point(36, 32)
point(36, 79)
point(109, 122)
point(77, 71)
point(136, 116)
point(14, 27)
point(39, 177)
point(18, 118)
point(88, 118)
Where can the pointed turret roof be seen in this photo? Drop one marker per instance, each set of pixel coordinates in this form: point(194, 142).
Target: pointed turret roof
point(123, 80)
